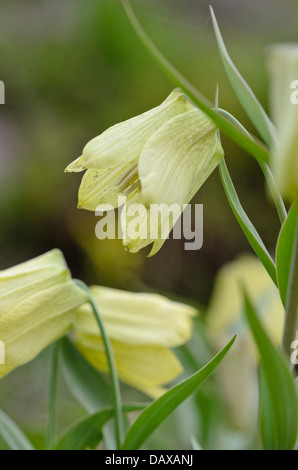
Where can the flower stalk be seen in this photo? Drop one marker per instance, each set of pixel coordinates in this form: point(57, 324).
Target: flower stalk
point(291, 310)
point(118, 418)
point(274, 190)
point(50, 436)
point(275, 193)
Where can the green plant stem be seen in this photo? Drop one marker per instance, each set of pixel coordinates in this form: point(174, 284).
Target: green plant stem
point(222, 118)
point(252, 145)
point(291, 309)
point(119, 427)
point(275, 194)
point(50, 435)
point(245, 223)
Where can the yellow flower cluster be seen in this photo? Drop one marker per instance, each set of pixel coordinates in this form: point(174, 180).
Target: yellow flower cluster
point(40, 303)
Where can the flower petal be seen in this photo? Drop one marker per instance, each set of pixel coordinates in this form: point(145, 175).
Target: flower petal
point(178, 158)
point(226, 308)
point(26, 279)
point(100, 187)
point(123, 142)
point(37, 321)
point(283, 67)
point(76, 166)
point(225, 316)
point(148, 225)
point(141, 327)
point(146, 368)
point(138, 318)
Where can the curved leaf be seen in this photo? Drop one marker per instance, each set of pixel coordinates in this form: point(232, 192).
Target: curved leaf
point(12, 435)
point(284, 252)
point(252, 146)
point(84, 382)
point(276, 196)
point(88, 432)
point(244, 93)
point(85, 434)
point(278, 398)
point(250, 232)
point(161, 408)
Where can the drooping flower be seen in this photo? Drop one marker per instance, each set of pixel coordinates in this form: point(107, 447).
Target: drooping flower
point(283, 68)
point(38, 300)
point(142, 329)
point(160, 157)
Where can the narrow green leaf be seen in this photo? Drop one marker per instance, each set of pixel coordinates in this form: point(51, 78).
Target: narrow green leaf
point(12, 435)
point(252, 146)
point(161, 408)
point(244, 93)
point(278, 398)
point(88, 432)
point(249, 230)
point(54, 364)
point(195, 444)
point(276, 196)
point(284, 252)
point(85, 434)
point(112, 369)
point(84, 382)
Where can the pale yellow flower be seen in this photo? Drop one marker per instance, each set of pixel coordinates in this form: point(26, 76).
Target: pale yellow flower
point(283, 68)
point(226, 317)
point(160, 157)
point(226, 309)
point(142, 329)
point(38, 300)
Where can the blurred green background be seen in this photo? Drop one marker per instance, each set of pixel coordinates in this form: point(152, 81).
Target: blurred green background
point(71, 69)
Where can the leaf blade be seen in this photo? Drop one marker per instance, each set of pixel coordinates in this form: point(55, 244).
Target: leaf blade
point(12, 434)
point(88, 432)
point(247, 227)
point(84, 382)
point(253, 146)
point(278, 401)
point(247, 98)
point(161, 408)
point(284, 252)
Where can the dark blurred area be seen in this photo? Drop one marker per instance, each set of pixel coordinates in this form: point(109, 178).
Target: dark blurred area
point(72, 69)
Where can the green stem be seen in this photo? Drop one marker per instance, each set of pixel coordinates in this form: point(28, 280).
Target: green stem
point(50, 436)
point(252, 146)
point(245, 223)
point(276, 196)
point(112, 368)
point(290, 326)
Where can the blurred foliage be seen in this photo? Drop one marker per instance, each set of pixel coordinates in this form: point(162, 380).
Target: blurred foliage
point(72, 69)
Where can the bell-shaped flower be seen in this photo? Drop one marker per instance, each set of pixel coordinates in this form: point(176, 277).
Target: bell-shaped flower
point(161, 157)
point(142, 329)
point(38, 300)
point(283, 68)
